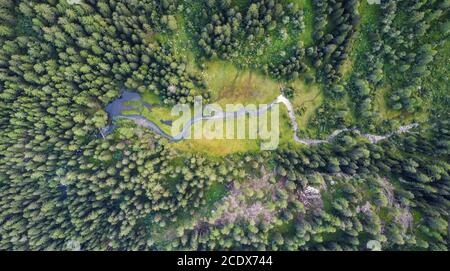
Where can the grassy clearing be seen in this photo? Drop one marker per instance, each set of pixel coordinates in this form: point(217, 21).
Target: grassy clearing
point(231, 85)
point(221, 147)
point(216, 147)
point(308, 97)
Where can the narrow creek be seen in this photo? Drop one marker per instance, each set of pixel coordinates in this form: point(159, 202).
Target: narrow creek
point(116, 108)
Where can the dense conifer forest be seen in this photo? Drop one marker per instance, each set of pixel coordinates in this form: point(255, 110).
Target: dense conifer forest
point(365, 67)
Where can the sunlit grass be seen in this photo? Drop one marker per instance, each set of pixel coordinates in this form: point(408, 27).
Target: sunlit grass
point(308, 97)
point(230, 85)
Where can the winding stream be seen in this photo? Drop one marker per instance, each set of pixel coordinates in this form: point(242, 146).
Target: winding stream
point(116, 108)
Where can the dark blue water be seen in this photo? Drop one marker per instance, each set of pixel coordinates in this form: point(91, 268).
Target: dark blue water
point(116, 108)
